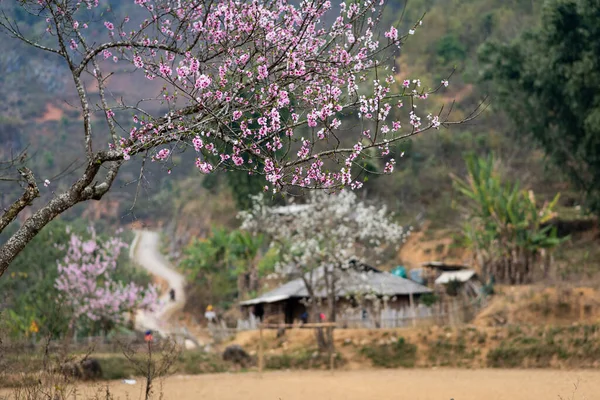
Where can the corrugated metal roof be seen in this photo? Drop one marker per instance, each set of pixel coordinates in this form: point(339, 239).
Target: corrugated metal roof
point(461, 276)
point(350, 282)
point(443, 265)
point(293, 288)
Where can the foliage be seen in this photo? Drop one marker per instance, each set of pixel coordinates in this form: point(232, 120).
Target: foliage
point(547, 81)
point(28, 292)
point(243, 186)
point(428, 299)
point(452, 350)
point(547, 346)
point(305, 358)
point(508, 231)
point(224, 267)
point(400, 353)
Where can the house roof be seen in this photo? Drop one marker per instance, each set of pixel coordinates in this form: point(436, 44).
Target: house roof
point(444, 266)
point(460, 276)
point(350, 282)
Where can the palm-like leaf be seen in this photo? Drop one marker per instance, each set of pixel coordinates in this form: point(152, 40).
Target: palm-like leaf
point(504, 220)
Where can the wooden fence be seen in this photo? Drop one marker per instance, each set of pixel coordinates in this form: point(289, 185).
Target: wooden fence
point(451, 311)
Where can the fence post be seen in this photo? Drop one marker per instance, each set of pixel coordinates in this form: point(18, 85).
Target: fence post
point(331, 356)
point(412, 309)
point(260, 349)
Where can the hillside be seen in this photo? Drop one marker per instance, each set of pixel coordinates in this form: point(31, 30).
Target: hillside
point(39, 116)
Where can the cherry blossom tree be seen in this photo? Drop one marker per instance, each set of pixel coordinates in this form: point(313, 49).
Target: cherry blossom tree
point(324, 241)
point(264, 86)
point(88, 289)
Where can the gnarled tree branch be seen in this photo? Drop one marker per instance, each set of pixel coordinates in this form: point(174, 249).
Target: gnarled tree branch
point(31, 192)
point(82, 190)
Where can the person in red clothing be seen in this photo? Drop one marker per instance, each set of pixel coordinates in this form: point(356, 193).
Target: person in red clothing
point(148, 336)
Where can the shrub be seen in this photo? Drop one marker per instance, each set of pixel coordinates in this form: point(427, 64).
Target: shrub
point(392, 355)
point(303, 359)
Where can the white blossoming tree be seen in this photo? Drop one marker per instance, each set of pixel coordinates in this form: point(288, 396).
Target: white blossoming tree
point(321, 239)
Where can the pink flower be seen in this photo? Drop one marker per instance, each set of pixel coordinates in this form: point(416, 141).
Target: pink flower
point(203, 166)
point(137, 61)
point(165, 70)
point(305, 149)
point(392, 34)
point(109, 26)
point(389, 166)
point(198, 143)
point(262, 72)
point(237, 160)
point(202, 82)
point(163, 154)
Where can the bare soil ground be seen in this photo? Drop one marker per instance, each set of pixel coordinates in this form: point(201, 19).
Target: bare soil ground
point(414, 384)
point(542, 305)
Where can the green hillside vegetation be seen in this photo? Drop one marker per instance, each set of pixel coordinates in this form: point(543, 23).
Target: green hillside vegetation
point(547, 81)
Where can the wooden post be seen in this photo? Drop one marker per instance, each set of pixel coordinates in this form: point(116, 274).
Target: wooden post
point(412, 309)
point(581, 307)
point(260, 349)
point(331, 354)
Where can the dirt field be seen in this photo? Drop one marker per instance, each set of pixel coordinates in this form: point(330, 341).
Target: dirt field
point(413, 384)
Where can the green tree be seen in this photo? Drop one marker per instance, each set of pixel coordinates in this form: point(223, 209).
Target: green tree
point(225, 267)
point(243, 186)
point(548, 81)
point(29, 294)
point(508, 232)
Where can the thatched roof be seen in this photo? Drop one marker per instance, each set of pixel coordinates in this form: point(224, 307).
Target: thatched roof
point(366, 279)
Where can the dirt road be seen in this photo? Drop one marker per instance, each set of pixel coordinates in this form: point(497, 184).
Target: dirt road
point(400, 384)
point(145, 250)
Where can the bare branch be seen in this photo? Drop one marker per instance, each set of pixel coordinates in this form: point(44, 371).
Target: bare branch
point(31, 192)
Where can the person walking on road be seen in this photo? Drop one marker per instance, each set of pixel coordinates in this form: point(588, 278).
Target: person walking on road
point(210, 315)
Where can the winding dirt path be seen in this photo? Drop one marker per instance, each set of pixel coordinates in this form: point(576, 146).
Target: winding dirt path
point(145, 252)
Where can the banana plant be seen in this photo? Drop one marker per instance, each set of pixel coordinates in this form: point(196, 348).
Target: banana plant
point(506, 228)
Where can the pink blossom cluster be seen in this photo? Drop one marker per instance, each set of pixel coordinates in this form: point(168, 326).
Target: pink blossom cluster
point(86, 284)
point(255, 76)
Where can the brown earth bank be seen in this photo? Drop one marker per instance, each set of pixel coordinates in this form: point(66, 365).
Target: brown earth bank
point(415, 384)
point(566, 346)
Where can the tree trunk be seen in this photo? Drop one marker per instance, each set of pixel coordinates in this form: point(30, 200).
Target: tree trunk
point(82, 190)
